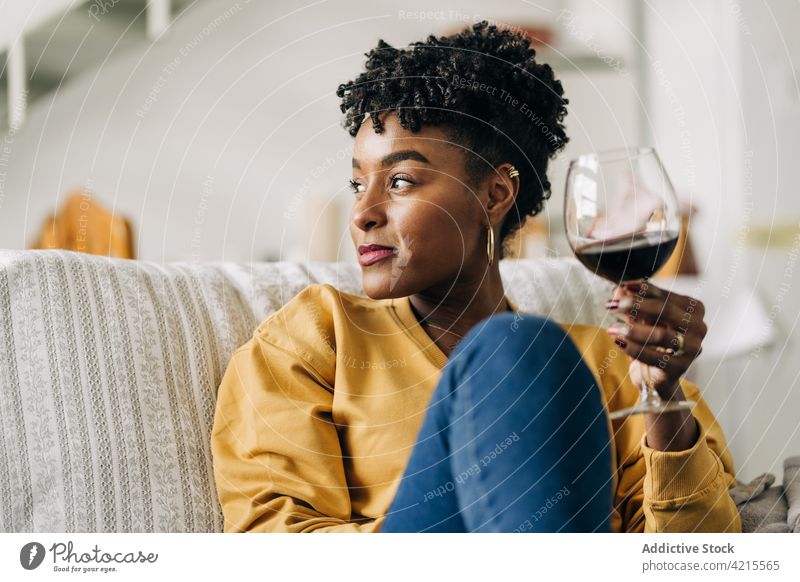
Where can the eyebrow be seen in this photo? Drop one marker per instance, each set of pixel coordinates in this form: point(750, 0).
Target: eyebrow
point(399, 156)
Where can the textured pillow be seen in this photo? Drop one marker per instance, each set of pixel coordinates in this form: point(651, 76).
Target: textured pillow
point(109, 370)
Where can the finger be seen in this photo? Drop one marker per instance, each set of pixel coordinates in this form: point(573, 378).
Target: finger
point(665, 311)
point(644, 289)
point(618, 293)
point(649, 355)
point(655, 336)
point(668, 315)
point(641, 290)
point(652, 310)
point(655, 306)
point(622, 294)
point(648, 290)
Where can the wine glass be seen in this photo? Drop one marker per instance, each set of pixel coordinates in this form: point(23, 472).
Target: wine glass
point(622, 221)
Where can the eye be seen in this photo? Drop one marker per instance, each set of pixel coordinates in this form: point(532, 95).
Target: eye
point(397, 182)
point(356, 186)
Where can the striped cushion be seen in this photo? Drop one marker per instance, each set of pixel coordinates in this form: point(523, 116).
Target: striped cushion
point(109, 370)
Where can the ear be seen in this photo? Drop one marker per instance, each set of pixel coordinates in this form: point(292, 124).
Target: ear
point(502, 191)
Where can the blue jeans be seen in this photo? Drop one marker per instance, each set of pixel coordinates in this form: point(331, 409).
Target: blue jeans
point(514, 438)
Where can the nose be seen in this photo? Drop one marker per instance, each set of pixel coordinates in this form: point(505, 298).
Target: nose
point(370, 210)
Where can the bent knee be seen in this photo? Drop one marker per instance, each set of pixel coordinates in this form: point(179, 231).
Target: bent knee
point(513, 336)
point(520, 327)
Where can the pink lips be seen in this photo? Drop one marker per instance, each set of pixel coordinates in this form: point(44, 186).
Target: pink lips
point(369, 254)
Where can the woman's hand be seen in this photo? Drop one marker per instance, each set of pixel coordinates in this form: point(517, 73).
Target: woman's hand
point(654, 321)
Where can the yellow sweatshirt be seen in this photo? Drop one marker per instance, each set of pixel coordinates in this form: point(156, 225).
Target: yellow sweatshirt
point(318, 412)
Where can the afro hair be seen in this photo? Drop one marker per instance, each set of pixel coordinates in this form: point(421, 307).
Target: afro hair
point(484, 88)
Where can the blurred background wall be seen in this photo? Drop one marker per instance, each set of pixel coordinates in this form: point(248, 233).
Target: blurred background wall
point(221, 137)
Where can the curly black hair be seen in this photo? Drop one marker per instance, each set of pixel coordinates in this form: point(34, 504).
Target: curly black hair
point(484, 88)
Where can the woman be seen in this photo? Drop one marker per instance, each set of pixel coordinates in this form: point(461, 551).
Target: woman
point(434, 404)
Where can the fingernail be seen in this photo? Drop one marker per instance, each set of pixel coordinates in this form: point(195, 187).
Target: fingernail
point(619, 330)
point(623, 304)
point(620, 342)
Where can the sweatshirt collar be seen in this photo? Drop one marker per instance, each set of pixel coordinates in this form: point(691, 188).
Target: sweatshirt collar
point(401, 308)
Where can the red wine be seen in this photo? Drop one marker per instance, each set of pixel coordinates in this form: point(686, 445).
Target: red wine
point(628, 257)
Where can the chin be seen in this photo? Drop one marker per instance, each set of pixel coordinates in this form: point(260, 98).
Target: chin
point(381, 283)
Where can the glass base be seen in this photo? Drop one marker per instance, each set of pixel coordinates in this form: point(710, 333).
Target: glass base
point(644, 407)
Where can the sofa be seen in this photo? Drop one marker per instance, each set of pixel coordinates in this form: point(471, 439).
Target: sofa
point(109, 370)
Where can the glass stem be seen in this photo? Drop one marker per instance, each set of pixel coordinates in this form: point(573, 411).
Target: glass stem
point(649, 395)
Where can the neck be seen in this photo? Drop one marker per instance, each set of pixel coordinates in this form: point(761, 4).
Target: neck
point(459, 306)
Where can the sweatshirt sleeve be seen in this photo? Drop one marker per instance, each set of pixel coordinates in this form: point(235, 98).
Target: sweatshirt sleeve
point(276, 453)
point(687, 491)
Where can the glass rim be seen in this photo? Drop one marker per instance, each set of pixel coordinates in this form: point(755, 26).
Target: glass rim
point(615, 155)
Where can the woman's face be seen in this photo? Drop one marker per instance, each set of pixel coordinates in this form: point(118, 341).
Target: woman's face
point(412, 194)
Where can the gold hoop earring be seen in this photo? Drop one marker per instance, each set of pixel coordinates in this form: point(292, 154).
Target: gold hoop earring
point(490, 244)
point(512, 172)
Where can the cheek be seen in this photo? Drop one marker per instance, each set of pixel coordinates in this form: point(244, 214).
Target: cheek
point(433, 231)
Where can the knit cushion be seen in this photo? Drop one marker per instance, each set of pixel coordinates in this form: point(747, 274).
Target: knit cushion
point(109, 370)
